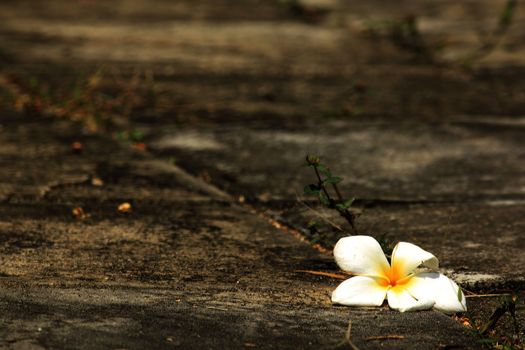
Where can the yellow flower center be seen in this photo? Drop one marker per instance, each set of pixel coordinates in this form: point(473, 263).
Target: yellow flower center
point(394, 277)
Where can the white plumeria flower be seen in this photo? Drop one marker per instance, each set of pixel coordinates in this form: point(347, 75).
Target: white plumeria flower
point(405, 288)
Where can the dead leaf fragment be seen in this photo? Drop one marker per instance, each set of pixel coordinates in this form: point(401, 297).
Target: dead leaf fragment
point(465, 321)
point(141, 146)
point(124, 207)
point(79, 213)
point(96, 181)
point(77, 147)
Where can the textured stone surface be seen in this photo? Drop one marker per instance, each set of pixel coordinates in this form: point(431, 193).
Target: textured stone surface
point(384, 161)
point(433, 150)
point(455, 189)
point(185, 267)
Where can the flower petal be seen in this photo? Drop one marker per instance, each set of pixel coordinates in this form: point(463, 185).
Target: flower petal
point(361, 255)
point(446, 293)
point(406, 257)
point(359, 291)
point(400, 299)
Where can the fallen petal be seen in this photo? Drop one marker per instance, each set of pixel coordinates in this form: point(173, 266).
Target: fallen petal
point(406, 257)
point(442, 290)
point(401, 300)
point(360, 291)
point(361, 255)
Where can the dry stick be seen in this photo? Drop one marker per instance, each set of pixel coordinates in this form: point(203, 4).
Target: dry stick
point(383, 337)
point(470, 294)
point(486, 295)
point(347, 339)
point(496, 36)
point(321, 273)
point(318, 214)
point(348, 335)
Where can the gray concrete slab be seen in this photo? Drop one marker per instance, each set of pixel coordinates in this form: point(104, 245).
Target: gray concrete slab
point(83, 318)
point(457, 189)
point(185, 268)
point(245, 90)
point(384, 161)
point(247, 60)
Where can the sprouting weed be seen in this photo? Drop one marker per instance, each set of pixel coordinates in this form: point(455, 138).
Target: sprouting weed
point(321, 189)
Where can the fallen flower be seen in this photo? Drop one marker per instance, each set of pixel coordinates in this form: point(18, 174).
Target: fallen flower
point(405, 288)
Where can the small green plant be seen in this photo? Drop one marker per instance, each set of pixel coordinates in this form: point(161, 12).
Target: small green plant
point(321, 189)
point(486, 332)
point(130, 136)
point(491, 41)
point(406, 36)
point(508, 305)
point(101, 100)
point(329, 195)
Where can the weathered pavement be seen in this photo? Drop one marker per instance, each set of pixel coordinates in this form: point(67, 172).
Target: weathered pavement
point(457, 189)
point(434, 153)
point(187, 268)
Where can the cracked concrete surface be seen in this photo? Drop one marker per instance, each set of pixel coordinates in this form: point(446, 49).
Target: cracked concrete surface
point(433, 152)
point(185, 268)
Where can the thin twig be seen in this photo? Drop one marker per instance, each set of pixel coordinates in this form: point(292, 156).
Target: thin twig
point(321, 273)
point(347, 340)
point(486, 295)
point(318, 214)
point(330, 200)
point(383, 337)
point(336, 189)
point(348, 335)
point(494, 38)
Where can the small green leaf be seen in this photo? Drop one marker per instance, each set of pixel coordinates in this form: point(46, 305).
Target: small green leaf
point(324, 170)
point(341, 207)
point(505, 17)
point(349, 202)
point(323, 198)
point(311, 189)
point(333, 180)
point(33, 83)
point(136, 135)
point(77, 93)
point(345, 205)
point(121, 136)
point(487, 341)
point(315, 239)
point(311, 223)
point(313, 227)
point(460, 294)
